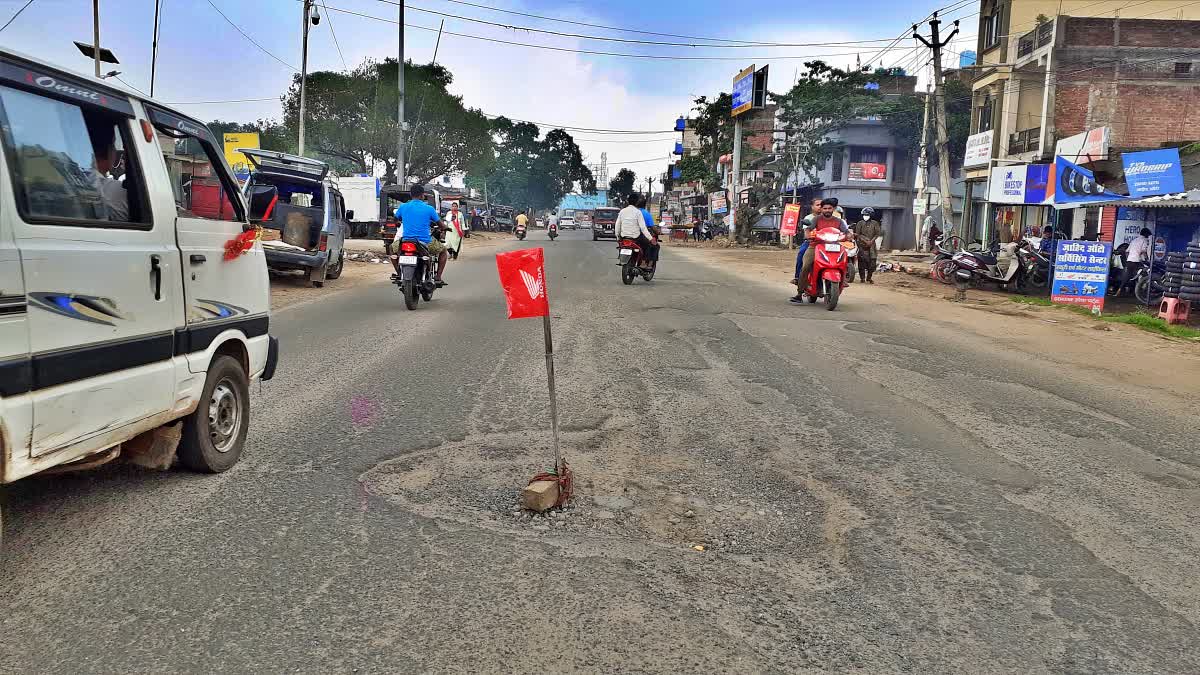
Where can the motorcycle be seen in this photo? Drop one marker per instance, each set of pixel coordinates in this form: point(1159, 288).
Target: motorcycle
point(629, 259)
point(552, 231)
point(415, 272)
point(1148, 283)
point(521, 232)
point(1001, 266)
point(830, 264)
point(1037, 265)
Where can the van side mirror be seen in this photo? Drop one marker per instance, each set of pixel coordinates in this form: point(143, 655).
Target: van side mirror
point(350, 214)
point(262, 202)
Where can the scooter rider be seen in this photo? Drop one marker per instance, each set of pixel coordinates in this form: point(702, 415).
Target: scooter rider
point(826, 219)
point(552, 222)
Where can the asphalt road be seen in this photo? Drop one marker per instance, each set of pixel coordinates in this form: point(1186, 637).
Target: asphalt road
point(871, 492)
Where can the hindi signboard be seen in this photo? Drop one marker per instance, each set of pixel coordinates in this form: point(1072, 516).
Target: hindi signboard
point(1081, 273)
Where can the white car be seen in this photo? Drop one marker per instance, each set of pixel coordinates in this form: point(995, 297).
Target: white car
point(119, 313)
point(566, 223)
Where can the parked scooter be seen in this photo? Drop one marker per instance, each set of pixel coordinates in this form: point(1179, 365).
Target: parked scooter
point(1001, 266)
point(629, 258)
point(415, 272)
point(830, 264)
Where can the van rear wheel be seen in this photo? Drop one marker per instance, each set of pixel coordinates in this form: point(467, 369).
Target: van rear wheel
point(214, 435)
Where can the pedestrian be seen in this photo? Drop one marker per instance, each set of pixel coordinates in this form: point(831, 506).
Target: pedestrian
point(455, 232)
point(866, 234)
point(696, 229)
point(1136, 258)
point(476, 220)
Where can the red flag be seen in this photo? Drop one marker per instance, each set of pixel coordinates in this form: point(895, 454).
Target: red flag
point(791, 217)
point(523, 276)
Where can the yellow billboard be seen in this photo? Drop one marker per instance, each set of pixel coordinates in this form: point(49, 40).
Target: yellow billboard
point(237, 161)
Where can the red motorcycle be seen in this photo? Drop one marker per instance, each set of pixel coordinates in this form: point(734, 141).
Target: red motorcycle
point(629, 258)
point(830, 262)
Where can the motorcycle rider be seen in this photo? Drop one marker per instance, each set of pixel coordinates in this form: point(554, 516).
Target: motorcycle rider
point(652, 253)
point(415, 219)
point(866, 231)
point(552, 222)
point(825, 219)
point(1137, 257)
point(631, 224)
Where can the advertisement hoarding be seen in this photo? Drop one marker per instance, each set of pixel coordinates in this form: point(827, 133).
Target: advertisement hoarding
point(979, 149)
point(1081, 273)
point(1073, 184)
point(1006, 185)
point(791, 218)
point(1090, 146)
point(1154, 172)
point(743, 91)
point(718, 203)
point(870, 171)
point(237, 161)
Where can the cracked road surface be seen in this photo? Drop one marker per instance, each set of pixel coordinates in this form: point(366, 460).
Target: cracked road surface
point(871, 491)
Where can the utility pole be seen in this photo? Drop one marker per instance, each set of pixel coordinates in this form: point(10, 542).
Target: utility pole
point(936, 44)
point(649, 188)
point(307, 7)
point(401, 164)
point(735, 177)
point(96, 35)
point(923, 169)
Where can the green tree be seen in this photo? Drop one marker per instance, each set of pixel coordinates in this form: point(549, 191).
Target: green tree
point(695, 168)
point(352, 117)
point(621, 186)
point(528, 171)
point(713, 123)
point(271, 134)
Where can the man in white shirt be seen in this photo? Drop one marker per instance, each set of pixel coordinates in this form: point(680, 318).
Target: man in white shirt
point(1137, 257)
point(103, 135)
point(631, 224)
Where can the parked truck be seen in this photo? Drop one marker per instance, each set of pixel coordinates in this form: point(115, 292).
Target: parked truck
point(361, 194)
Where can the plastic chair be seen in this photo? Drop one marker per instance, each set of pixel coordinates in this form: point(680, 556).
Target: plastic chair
point(1174, 310)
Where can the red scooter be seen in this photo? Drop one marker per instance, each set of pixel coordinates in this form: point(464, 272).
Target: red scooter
point(830, 263)
point(629, 258)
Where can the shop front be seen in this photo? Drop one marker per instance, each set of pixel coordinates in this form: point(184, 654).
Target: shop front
point(1015, 198)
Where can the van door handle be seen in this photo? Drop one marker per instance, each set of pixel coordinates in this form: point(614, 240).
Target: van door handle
point(156, 274)
point(198, 259)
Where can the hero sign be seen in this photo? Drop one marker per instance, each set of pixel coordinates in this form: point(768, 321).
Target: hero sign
point(523, 277)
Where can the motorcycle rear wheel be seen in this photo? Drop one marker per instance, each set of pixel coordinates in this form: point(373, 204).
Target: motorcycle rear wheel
point(627, 273)
point(833, 291)
point(648, 276)
point(410, 295)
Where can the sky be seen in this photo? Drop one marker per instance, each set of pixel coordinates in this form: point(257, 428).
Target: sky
point(202, 57)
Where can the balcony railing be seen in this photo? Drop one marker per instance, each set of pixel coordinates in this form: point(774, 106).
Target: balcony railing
point(1021, 142)
point(1035, 39)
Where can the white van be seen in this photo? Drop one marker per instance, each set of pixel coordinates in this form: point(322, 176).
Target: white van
point(118, 311)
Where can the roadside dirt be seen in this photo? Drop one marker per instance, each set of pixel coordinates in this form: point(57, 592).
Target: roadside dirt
point(1071, 338)
point(291, 288)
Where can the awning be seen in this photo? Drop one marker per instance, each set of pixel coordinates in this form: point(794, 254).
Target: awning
point(1178, 200)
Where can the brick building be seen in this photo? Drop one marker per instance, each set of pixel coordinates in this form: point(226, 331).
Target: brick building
point(1134, 83)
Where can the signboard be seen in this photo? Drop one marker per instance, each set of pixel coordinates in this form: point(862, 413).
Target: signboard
point(919, 206)
point(791, 218)
point(1006, 185)
point(719, 203)
point(237, 161)
point(1037, 182)
point(979, 149)
point(1160, 248)
point(1130, 222)
point(1081, 273)
point(1090, 146)
point(1154, 172)
point(869, 171)
point(1073, 184)
point(743, 91)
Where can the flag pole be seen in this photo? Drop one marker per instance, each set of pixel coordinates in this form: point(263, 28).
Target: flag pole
point(553, 398)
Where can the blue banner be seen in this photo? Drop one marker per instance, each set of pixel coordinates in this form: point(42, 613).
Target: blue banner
point(1036, 178)
point(1081, 273)
point(1154, 172)
point(1074, 184)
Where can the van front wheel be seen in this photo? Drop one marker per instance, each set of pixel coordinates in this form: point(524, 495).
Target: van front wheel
point(214, 435)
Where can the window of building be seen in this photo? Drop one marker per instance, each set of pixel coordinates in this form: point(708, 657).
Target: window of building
point(835, 174)
point(69, 163)
point(869, 164)
point(900, 167)
point(986, 113)
point(991, 29)
point(1183, 68)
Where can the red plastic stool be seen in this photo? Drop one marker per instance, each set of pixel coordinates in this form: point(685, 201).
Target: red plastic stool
point(1174, 310)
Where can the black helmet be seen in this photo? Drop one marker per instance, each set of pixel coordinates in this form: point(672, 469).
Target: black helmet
point(868, 212)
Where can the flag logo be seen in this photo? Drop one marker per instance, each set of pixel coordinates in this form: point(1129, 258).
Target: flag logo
point(535, 285)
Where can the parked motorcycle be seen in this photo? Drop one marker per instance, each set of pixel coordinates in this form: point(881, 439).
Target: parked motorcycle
point(521, 232)
point(1148, 287)
point(830, 264)
point(1038, 267)
point(629, 258)
point(415, 272)
point(1002, 265)
point(552, 231)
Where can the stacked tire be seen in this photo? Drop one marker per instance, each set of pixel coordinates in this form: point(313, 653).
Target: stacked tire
point(1183, 274)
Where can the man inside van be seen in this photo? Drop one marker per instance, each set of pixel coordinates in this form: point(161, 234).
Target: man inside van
point(103, 134)
point(415, 220)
